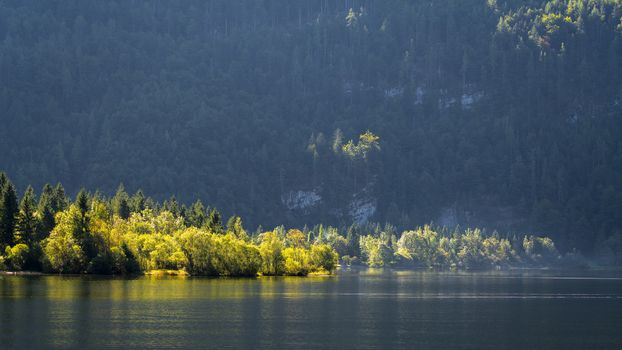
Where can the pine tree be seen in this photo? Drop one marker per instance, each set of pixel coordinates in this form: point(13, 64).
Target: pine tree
point(60, 201)
point(183, 212)
point(120, 203)
point(27, 223)
point(214, 222)
point(8, 212)
point(3, 180)
point(235, 227)
point(82, 201)
point(196, 215)
point(82, 234)
point(172, 206)
point(82, 204)
point(46, 211)
point(137, 202)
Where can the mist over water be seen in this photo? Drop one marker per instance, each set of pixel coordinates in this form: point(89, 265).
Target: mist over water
point(362, 309)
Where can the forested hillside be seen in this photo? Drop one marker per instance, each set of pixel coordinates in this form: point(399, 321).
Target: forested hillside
point(502, 114)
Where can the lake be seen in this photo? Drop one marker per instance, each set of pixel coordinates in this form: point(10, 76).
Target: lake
point(360, 309)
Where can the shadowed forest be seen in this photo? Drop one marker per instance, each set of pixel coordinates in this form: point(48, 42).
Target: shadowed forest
point(500, 114)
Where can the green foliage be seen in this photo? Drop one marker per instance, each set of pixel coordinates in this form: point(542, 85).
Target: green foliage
point(349, 260)
point(421, 246)
point(337, 242)
point(498, 251)
point(82, 203)
point(91, 236)
point(4, 179)
point(235, 227)
point(469, 249)
point(138, 202)
point(121, 204)
point(62, 252)
point(214, 222)
point(271, 249)
point(163, 253)
point(119, 263)
point(367, 142)
point(235, 257)
point(27, 219)
point(296, 239)
point(126, 257)
point(8, 212)
point(196, 215)
point(46, 210)
point(198, 247)
point(540, 249)
point(297, 261)
point(59, 200)
point(225, 255)
point(17, 256)
point(377, 251)
point(323, 258)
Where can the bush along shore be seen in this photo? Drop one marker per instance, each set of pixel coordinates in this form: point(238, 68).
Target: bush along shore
point(129, 234)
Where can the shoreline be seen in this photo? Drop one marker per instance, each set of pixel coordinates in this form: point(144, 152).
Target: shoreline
point(23, 273)
point(184, 274)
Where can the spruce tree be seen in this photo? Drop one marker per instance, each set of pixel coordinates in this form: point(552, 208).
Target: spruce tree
point(82, 201)
point(120, 203)
point(172, 206)
point(60, 201)
point(137, 202)
point(8, 213)
point(235, 227)
point(3, 180)
point(196, 215)
point(83, 235)
point(27, 223)
point(82, 204)
point(46, 211)
point(214, 222)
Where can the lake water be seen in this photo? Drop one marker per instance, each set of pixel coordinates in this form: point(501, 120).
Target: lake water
point(363, 309)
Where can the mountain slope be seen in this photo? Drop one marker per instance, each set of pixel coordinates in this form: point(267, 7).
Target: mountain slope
point(497, 113)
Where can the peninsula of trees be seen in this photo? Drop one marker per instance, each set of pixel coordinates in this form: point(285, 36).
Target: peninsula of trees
point(134, 234)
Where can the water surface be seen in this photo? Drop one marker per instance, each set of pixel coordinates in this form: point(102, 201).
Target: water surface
point(366, 309)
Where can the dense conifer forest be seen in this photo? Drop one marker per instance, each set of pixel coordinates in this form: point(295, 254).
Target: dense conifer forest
point(501, 114)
